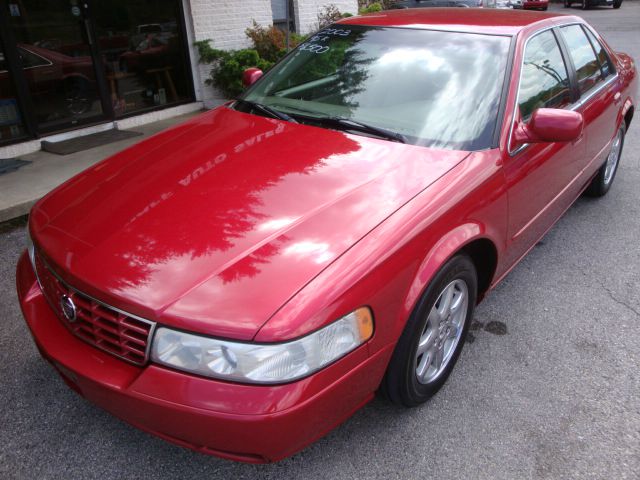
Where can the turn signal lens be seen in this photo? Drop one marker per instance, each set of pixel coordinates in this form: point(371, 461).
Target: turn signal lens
point(262, 363)
point(365, 323)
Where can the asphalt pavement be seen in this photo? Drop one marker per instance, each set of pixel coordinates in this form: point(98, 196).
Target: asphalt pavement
point(548, 386)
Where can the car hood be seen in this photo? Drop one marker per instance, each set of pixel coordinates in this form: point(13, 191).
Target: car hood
point(213, 225)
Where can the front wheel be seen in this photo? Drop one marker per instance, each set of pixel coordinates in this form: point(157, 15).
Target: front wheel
point(617, 4)
point(434, 335)
point(585, 4)
point(603, 180)
point(567, 3)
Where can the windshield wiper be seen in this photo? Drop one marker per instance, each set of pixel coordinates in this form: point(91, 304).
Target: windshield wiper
point(348, 124)
point(272, 112)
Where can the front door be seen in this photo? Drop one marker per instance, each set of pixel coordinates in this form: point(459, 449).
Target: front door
point(540, 175)
point(54, 40)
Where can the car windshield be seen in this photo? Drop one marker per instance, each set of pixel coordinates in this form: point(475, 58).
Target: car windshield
point(432, 88)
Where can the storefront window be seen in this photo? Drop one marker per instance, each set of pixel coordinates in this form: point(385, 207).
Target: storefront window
point(55, 55)
point(81, 62)
point(143, 53)
point(10, 121)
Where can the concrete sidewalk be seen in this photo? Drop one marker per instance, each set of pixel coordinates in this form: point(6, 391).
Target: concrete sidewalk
point(20, 189)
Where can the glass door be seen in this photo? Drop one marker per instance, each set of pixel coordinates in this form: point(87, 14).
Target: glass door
point(143, 54)
point(11, 124)
point(54, 39)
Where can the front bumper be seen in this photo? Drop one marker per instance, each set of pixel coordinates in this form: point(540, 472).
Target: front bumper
point(241, 422)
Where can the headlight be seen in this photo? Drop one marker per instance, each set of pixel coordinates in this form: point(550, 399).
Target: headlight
point(262, 363)
point(31, 251)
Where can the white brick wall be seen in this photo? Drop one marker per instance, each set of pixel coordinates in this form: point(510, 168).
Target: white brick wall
point(306, 12)
point(224, 22)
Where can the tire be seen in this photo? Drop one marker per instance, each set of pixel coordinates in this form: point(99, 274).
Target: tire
point(412, 377)
point(585, 4)
point(77, 96)
point(567, 3)
point(616, 4)
point(603, 180)
point(544, 9)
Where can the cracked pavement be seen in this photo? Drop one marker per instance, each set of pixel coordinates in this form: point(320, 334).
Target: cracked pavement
point(548, 389)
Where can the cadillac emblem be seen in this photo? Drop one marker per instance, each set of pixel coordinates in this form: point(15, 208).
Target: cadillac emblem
point(68, 308)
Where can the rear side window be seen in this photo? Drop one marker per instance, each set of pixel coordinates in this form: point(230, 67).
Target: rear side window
point(601, 53)
point(584, 58)
point(30, 60)
point(544, 81)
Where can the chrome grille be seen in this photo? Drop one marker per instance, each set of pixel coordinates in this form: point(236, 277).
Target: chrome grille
point(107, 328)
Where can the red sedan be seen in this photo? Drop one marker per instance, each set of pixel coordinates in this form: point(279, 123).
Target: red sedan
point(531, 4)
point(242, 283)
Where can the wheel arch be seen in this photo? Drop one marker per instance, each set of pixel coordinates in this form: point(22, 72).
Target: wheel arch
point(484, 255)
point(471, 239)
point(75, 76)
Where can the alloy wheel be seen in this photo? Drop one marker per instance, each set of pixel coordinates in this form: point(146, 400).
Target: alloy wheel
point(613, 158)
point(442, 331)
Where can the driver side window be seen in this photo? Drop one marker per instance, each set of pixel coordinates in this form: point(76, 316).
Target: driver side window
point(544, 82)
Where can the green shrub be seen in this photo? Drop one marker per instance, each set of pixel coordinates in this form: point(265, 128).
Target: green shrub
point(227, 66)
point(327, 15)
point(271, 42)
point(371, 8)
point(384, 5)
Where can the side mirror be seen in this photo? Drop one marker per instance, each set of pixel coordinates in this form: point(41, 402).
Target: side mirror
point(251, 76)
point(550, 125)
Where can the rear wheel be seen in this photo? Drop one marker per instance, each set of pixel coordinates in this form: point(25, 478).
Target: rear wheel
point(585, 4)
point(603, 180)
point(77, 97)
point(567, 3)
point(617, 4)
point(434, 335)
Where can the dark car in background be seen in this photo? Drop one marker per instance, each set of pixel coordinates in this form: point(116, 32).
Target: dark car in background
point(440, 3)
point(593, 3)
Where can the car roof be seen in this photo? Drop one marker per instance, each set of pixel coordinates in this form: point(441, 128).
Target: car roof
point(477, 20)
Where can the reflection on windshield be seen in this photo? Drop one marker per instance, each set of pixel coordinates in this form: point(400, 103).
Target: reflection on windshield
point(438, 89)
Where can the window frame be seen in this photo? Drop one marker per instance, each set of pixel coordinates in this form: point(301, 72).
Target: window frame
point(590, 34)
point(563, 56)
point(603, 79)
point(578, 99)
point(570, 71)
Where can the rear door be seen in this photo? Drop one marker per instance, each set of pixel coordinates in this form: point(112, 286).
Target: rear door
point(596, 84)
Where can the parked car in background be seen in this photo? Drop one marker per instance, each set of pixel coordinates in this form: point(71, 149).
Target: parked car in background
point(58, 82)
point(593, 3)
point(244, 282)
point(151, 51)
point(530, 4)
